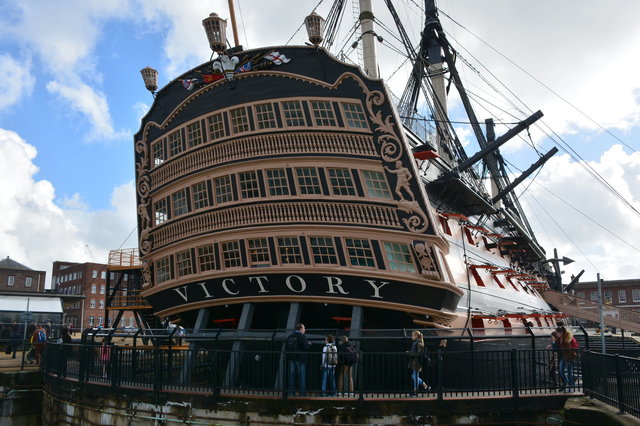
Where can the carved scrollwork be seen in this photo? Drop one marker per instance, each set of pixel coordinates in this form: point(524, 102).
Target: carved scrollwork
point(146, 274)
point(390, 147)
point(442, 320)
point(418, 222)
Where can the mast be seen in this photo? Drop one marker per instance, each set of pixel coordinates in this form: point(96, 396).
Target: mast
point(232, 14)
point(368, 39)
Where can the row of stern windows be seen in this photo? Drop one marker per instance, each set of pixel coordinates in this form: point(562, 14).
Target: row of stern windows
point(278, 182)
point(286, 251)
point(284, 114)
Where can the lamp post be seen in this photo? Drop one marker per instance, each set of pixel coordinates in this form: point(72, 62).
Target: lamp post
point(216, 29)
point(150, 77)
point(315, 27)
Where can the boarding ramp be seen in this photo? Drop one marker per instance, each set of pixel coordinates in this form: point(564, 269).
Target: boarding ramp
point(579, 307)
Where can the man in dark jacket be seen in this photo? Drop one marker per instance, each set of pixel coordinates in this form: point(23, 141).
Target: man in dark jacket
point(296, 346)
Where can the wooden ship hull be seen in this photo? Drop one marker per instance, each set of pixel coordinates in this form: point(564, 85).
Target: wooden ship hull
point(280, 185)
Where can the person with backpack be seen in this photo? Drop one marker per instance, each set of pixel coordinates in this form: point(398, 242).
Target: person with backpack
point(416, 357)
point(347, 357)
point(296, 346)
point(568, 347)
point(38, 339)
point(328, 366)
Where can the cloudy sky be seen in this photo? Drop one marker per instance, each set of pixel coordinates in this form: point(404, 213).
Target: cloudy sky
point(71, 98)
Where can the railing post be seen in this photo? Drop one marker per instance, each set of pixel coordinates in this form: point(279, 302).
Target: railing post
point(440, 368)
point(285, 374)
point(114, 367)
point(514, 374)
point(586, 337)
point(619, 384)
point(360, 372)
point(157, 373)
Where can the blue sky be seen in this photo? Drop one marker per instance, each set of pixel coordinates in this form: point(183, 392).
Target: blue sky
point(71, 98)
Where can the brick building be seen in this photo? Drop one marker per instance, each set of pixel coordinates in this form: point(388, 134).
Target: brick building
point(18, 278)
point(621, 293)
point(83, 288)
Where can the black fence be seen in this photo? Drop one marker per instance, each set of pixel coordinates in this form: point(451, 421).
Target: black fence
point(613, 379)
point(277, 374)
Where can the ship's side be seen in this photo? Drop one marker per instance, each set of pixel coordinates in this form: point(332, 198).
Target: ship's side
point(279, 182)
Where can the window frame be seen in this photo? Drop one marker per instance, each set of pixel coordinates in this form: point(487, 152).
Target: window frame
point(240, 121)
point(321, 115)
point(267, 116)
point(162, 270)
point(194, 133)
point(206, 258)
point(296, 248)
point(160, 215)
point(258, 256)
point(353, 252)
point(249, 188)
point(179, 206)
point(282, 181)
point(223, 192)
point(306, 181)
point(200, 197)
point(293, 117)
point(376, 184)
point(360, 121)
point(175, 143)
point(184, 264)
point(216, 126)
point(323, 250)
point(393, 262)
point(338, 183)
point(231, 255)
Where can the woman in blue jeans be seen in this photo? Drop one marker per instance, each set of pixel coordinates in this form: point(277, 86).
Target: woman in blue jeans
point(568, 353)
point(417, 353)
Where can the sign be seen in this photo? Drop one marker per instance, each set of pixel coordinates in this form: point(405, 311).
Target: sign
point(324, 288)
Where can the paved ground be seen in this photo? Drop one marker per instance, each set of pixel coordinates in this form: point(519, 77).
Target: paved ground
point(7, 363)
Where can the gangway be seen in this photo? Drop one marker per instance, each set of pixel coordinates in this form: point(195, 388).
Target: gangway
point(613, 316)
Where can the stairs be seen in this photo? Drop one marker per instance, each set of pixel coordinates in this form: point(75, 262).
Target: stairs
point(579, 307)
point(614, 344)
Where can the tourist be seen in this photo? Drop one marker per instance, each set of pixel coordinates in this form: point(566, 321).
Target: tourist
point(105, 356)
point(66, 336)
point(417, 354)
point(38, 339)
point(552, 365)
point(568, 346)
point(16, 337)
point(328, 366)
point(347, 358)
point(297, 345)
point(5, 338)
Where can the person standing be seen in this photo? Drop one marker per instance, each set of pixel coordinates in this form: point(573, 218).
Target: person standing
point(38, 338)
point(296, 347)
point(348, 357)
point(328, 366)
point(568, 348)
point(416, 355)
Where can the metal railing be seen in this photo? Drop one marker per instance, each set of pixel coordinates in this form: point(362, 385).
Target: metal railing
point(613, 379)
point(505, 373)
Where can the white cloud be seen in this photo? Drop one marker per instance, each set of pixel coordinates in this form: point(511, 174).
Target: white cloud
point(16, 80)
point(87, 101)
point(606, 243)
point(36, 231)
point(64, 35)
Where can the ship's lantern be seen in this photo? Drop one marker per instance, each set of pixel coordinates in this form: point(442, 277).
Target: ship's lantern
point(216, 29)
point(315, 28)
point(150, 77)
